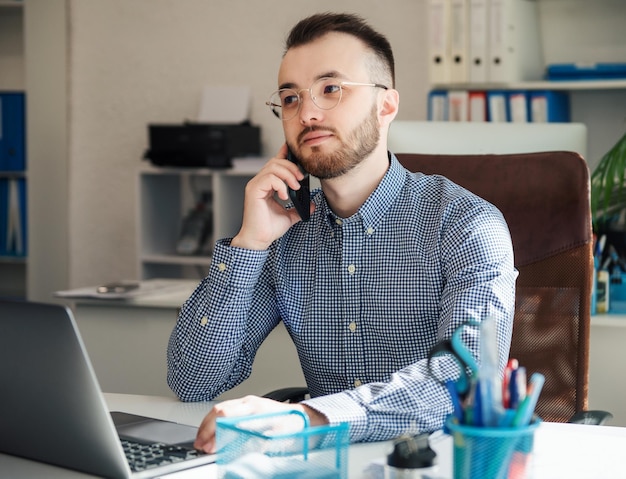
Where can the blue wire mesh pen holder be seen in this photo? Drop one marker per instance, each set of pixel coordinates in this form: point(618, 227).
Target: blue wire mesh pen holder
point(279, 446)
point(492, 452)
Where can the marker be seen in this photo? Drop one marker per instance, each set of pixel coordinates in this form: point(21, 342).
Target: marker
point(456, 402)
point(517, 387)
point(526, 409)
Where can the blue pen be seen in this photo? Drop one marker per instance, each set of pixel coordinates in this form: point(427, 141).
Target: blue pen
point(477, 406)
point(456, 402)
point(526, 409)
point(517, 387)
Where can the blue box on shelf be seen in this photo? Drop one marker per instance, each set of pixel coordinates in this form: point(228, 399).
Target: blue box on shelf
point(617, 298)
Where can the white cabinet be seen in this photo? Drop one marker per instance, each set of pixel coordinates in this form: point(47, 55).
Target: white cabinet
point(165, 197)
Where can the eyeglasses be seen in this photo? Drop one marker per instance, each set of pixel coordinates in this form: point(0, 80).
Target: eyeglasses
point(325, 93)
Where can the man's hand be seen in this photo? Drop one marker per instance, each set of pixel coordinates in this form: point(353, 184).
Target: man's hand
point(264, 219)
point(205, 440)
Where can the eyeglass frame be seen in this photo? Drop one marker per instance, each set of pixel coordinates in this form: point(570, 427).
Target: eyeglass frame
point(341, 84)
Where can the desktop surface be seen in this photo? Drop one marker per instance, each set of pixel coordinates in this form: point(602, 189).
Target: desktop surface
point(561, 450)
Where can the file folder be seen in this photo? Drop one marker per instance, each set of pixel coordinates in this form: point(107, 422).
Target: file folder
point(459, 41)
point(515, 48)
point(438, 105)
point(4, 215)
point(478, 19)
point(549, 106)
point(477, 106)
point(458, 105)
point(13, 239)
point(439, 53)
point(497, 106)
point(12, 132)
point(518, 107)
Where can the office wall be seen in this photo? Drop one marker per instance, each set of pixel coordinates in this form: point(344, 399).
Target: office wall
point(136, 62)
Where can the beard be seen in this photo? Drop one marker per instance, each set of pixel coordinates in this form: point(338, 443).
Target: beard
point(359, 144)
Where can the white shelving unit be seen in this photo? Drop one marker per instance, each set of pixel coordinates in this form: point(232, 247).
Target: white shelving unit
point(12, 268)
point(539, 85)
point(165, 197)
point(578, 31)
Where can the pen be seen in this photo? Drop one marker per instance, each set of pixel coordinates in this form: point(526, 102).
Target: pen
point(524, 412)
point(456, 402)
point(517, 387)
point(511, 366)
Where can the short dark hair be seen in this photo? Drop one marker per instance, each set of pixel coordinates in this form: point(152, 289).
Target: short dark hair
point(315, 26)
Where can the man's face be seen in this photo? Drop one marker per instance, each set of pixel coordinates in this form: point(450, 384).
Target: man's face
point(331, 142)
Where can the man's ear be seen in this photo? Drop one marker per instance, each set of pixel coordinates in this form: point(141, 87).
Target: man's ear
point(389, 105)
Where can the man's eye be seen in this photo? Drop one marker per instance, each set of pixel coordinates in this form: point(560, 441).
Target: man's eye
point(331, 88)
point(290, 100)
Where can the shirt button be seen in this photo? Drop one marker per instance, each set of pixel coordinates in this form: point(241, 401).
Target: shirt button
point(221, 267)
point(352, 326)
point(351, 269)
point(204, 320)
point(370, 230)
point(357, 383)
point(338, 221)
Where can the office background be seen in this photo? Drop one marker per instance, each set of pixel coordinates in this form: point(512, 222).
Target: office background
point(96, 72)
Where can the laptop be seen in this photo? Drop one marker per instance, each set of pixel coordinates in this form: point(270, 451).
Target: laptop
point(52, 409)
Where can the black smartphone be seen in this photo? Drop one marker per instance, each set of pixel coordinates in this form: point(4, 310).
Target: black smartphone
point(301, 198)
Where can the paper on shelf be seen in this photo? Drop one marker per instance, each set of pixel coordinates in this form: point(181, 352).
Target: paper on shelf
point(224, 104)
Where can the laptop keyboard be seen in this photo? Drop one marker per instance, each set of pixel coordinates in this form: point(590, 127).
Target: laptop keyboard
point(142, 456)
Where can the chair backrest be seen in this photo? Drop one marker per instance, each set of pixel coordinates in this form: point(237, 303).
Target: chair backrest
point(545, 199)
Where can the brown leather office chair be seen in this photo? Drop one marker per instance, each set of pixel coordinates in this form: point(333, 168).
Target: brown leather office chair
point(545, 199)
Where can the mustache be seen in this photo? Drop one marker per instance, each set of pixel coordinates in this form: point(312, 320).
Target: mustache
point(310, 129)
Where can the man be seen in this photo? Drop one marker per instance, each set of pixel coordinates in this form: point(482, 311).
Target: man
point(389, 263)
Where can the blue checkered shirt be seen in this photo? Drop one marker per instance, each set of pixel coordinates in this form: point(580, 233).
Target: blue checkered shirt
point(364, 299)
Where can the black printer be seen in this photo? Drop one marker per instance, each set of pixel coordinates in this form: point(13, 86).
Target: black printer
point(201, 144)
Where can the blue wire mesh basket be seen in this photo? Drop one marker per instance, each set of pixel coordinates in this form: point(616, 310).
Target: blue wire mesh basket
point(279, 446)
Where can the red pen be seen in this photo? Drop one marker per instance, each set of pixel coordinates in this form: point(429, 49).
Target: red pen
point(511, 366)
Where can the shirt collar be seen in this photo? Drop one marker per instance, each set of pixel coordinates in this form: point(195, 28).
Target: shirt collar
point(378, 203)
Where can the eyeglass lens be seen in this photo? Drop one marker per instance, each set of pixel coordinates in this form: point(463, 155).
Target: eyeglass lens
point(325, 93)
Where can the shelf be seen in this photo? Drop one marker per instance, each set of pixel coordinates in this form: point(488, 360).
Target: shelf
point(11, 4)
point(13, 174)
point(538, 85)
point(176, 259)
point(609, 320)
point(241, 167)
point(13, 259)
point(166, 195)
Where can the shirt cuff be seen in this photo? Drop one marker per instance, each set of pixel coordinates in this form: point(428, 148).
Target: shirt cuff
point(237, 266)
point(340, 407)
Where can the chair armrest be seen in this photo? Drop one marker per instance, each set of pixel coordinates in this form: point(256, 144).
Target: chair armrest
point(290, 394)
point(596, 418)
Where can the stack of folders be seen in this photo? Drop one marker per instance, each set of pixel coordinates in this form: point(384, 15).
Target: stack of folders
point(12, 180)
point(484, 41)
point(520, 106)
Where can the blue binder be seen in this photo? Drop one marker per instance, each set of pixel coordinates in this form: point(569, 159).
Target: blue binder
point(438, 105)
point(549, 106)
point(498, 106)
point(12, 131)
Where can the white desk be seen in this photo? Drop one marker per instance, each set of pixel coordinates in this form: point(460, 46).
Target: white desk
point(561, 450)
